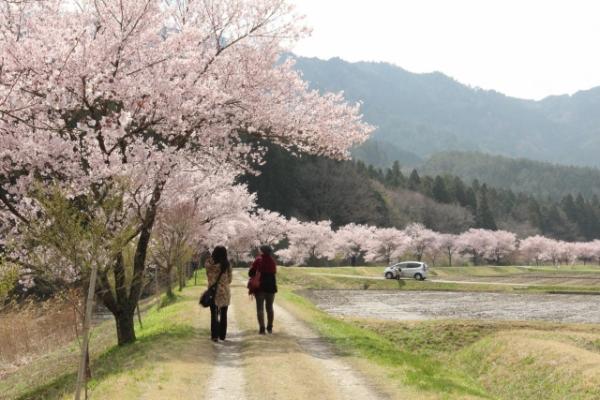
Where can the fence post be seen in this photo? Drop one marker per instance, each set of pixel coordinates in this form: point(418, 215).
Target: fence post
point(81, 375)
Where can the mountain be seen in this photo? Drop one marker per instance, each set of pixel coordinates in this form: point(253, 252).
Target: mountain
point(423, 114)
point(540, 179)
point(382, 154)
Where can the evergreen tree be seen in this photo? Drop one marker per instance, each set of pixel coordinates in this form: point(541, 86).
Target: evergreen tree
point(535, 214)
point(483, 216)
point(361, 168)
point(439, 191)
point(557, 225)
point(372, 172)
point(569, 207)
point(459, 192)
point(471, 200)
point(586, 218)
point(389, 179)
point(398, 179)
point(427, 186)
point(414, 181)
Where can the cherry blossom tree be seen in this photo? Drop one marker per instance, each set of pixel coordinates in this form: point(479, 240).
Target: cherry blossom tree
point(233, 234)
point(585, 251)
point(535, 248)
point(501, 245)
point(386, 244)
point(352, 241)
point(308, 241)
point(421, 239)
point(155, 93)
point(449, 244)
point(172, 242)
point(183, 220)
point(476, 243)
point(596, 246)
point(266, 228)
point(567, 252)
point(243, 233)
point(552, 251)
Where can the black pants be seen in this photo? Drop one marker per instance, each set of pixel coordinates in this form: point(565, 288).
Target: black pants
point(265, 299)
point(218, 322)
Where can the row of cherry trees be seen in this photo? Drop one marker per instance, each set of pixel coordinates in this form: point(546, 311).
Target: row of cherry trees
point(309, 242)
point(113, 112)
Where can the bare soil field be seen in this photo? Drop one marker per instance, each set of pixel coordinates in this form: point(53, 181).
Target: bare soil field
point(531, 279)
point(398, 305)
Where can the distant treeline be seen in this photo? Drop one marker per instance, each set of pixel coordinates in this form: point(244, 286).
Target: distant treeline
point(315, 188)
point(537, 178)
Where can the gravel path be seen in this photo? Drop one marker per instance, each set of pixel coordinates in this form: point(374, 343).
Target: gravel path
point(350, 384)
point(227, 381)
point(294, 363)
point(395, 305)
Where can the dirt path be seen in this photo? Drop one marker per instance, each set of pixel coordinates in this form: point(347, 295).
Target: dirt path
point(227, 381)
point(350, 383)
point(292, 363)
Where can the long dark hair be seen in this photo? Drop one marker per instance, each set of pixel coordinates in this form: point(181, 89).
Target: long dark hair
point(219, 256)
point(266, 250)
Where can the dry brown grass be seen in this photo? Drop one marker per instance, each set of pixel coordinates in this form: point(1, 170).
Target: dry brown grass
point(30, 330)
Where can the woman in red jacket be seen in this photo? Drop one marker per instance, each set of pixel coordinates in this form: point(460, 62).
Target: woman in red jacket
point(265, 294)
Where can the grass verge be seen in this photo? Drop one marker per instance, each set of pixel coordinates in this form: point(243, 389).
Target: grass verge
point(335, 278)
point(470, 359)
point(167, 345)
point(420, 371)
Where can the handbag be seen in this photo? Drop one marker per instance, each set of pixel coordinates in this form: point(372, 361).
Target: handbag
point(254, 283)
point(208, 297)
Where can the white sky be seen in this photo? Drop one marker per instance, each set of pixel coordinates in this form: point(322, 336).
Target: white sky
point(527, 48)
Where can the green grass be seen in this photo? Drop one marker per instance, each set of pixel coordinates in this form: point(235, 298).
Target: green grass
point(420, 371)
point(333, 278)
point(533, 365)
point(491, 271)
point(164, 329)
point(486, 359)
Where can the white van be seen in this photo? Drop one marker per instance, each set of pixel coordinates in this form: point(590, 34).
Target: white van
point(407, 269)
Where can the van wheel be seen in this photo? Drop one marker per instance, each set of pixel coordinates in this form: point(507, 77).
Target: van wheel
point(389, 275)
point(419, 277)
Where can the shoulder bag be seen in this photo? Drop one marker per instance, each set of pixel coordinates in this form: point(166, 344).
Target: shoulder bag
point(208, 297)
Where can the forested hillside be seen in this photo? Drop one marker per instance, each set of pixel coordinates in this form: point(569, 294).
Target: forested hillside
point(313, 188)
point(540, 179)
point(427, 113)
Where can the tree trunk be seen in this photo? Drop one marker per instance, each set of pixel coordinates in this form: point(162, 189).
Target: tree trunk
point(122, 303)
point(449, 259)
point(169, 281)
point(125, 327)
point(180, 276)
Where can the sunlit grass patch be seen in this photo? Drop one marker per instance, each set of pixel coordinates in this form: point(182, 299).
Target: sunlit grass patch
point(420, 371)
point(455, 358)
point(166, 338)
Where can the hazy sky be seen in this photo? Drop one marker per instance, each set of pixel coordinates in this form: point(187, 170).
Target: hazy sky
point(523, 48)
